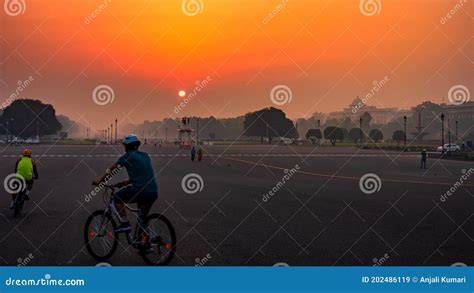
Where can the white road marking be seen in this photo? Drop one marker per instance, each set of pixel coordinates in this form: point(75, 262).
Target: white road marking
point(224, 155)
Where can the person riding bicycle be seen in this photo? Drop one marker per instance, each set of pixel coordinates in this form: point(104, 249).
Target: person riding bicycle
point(26, 171)
point(141, 187)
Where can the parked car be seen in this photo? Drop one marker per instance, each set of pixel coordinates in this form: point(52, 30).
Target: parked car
point(32, 141)
point(449, 148)
point(287, 141)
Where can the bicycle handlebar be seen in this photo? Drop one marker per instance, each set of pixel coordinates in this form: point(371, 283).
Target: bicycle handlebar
point(113, 186)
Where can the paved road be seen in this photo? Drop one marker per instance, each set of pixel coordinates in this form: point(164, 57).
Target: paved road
point(318, 216)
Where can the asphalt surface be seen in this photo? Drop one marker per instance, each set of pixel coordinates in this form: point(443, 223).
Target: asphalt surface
point(316, 216)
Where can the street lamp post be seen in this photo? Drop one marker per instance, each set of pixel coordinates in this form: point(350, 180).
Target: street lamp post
point(442, 132)
point(197, 131)
point(405, 123)
point(115, 130)
point(8, 131)
point(457, 128)
point(449, 136)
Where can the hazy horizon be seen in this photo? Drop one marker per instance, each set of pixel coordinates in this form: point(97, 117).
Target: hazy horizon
point(325, 52)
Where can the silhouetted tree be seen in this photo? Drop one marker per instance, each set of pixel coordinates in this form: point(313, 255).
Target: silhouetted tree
point(376, 135)
point(333, 133)
point(355, 134)
point(314, 134)
point(268, 122)
point(25, 117)
point(398, 136)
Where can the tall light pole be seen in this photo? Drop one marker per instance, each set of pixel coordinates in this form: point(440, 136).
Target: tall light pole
point(457, 128)
point(111, 132)
point(8, 129)
point(449, 136)
point(197, 131)
point(115, 130)
point(405, 122)
point(442, 132)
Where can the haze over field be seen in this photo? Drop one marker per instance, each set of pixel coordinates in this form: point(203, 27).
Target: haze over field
point(325, 52)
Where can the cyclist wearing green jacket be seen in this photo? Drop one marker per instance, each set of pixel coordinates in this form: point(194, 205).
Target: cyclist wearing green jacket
point(25, 169)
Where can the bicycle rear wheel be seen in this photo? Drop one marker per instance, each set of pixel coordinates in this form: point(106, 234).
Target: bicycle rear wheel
point(159, 241)
point(100, 236)
point(18, 206)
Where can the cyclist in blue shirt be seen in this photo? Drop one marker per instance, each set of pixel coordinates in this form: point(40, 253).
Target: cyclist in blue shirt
point(141, 187)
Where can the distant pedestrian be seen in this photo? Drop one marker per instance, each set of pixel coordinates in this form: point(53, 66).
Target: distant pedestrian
point(199, 155)
point(193, 153)
point(424, 155)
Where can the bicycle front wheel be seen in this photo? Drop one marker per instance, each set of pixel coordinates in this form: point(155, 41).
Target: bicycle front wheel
point(18, 206)
point(100, 236)
point(159, 241)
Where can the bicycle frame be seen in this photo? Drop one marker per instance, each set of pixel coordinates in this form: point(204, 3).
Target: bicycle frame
point(19, 202)
point(111, 209)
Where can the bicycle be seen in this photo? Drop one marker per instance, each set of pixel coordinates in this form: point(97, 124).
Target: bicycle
point(101, 225)
point(19, 202)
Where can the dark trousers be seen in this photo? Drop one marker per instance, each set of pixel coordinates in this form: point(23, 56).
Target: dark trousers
point(423, 164)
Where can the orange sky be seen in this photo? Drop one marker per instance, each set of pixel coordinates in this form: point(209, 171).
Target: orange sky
point(327, 52)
